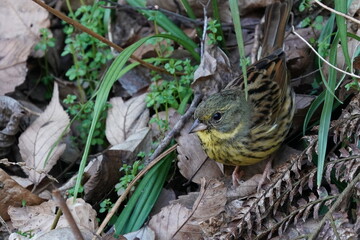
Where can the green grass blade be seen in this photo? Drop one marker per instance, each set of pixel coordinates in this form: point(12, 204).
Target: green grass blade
point(323, 39)
point(235, 15)
point(312, 109)
point(326, 113)
point(191, 14)
point(341, 6)
point(155, 190)
point(144, 198)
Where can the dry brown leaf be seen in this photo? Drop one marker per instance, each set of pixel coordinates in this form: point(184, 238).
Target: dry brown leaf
point(13, 194)
point(104, 170)
point(193, 163)
point(187, 224)
point(144, 233)
point(41, 136)
point(39, 218)
point(125, 118)
point(56, 234)
point(168, 221)
point(20, 24)
point(214, 71)
point(11, 113)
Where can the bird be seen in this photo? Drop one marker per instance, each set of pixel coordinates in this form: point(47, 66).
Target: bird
point(237, 130)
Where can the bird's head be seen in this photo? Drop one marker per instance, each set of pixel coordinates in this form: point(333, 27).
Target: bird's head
point(224, 113)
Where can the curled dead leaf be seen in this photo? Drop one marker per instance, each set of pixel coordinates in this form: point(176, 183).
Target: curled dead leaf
point(11, 113)
point(20, 24)
point(214, 71)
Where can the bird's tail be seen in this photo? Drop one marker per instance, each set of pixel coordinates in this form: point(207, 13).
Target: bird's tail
point(276, 17)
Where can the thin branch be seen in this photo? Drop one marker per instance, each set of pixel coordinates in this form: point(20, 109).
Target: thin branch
point(178, 126)
point(65, 209)
point(337, 12)
point(323, 59)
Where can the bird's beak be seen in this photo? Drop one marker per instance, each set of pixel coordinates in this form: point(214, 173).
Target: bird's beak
point(197, 126)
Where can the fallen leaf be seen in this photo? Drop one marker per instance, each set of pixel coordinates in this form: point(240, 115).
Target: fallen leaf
point(144, 233)
point(41, 136)
point(168, 221)
point(20, 24)
point(13, 194)
point(176, 221)
point(125, 118)
point(214, 71)
point(64, 233)
point(193, 162)
point(11, 113)
point(40, 218)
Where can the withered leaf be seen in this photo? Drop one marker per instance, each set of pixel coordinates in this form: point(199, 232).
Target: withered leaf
point(13, 194)
point(40, 218)
point(125, 118)
point(41, 137)
point(20, 24)
point(184, 223)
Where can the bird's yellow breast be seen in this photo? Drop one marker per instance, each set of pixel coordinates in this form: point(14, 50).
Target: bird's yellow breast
point(226, 149)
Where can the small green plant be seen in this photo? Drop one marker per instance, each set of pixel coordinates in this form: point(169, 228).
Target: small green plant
point(214, 37)
point(70, 192)
point(304, 4)
point(23, 203)
point(89, 54)
point(28, 234)
point(315, 24)
point(84, 113)
point(175, 93)
point(105, 205)
point(130, 173)
point(46, 42)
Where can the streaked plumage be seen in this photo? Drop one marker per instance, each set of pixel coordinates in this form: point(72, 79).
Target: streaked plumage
point(236, 131)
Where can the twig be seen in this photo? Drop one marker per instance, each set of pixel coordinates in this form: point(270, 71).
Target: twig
point(23, 165)
point(2, 221)
point(95, 35)
point(337, 12)
point(178, 126)
point(336, 204)
point(323, 59)
point(64, 208)
point(131, 184)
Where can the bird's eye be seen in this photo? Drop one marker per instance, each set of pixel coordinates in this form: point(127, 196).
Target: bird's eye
point(216, 116)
